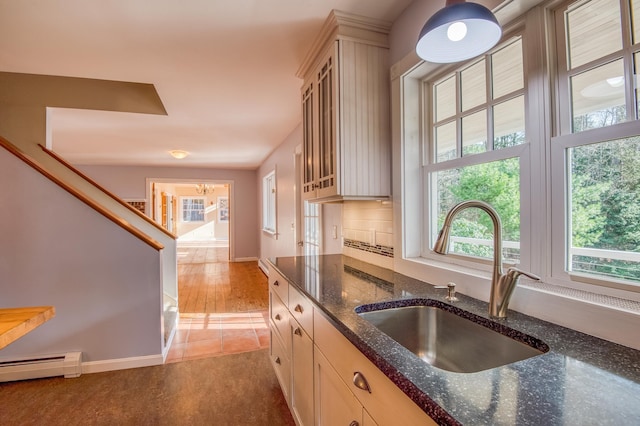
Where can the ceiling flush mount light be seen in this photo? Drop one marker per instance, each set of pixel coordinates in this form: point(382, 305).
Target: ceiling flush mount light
point(178, 153)
point(458, 32)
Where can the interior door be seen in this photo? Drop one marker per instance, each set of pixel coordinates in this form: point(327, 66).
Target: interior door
point(164, 210)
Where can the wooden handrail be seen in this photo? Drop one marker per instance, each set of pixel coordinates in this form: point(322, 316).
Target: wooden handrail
point(79, 195)
point(106, 191)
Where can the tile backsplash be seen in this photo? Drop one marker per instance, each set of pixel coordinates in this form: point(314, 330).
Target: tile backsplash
point(367, 226)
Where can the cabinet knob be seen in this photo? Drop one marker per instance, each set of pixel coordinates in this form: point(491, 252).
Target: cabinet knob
point(276, 283)
point(277, 360)
point(297, 331)
point(354, 423)
point(361, 382)
point(298, 308)
point(278, 317)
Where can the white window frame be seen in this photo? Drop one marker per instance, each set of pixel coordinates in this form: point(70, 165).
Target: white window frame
point(430, 165)
point(204, 204)
point(269, 204)
point(562, 140)
point(539, 243)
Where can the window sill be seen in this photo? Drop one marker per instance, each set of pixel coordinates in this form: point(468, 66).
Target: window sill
point(270, 233)
point(618, 319)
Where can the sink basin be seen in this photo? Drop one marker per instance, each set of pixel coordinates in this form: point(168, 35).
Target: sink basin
point(450, 338)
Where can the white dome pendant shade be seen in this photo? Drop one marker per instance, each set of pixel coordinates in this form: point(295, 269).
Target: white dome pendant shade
point(458, 32)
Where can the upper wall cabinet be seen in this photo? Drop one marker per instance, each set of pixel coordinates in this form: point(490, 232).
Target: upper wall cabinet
point(345, 111)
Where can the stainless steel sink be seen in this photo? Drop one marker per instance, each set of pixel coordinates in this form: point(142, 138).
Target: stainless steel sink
point(450, 342)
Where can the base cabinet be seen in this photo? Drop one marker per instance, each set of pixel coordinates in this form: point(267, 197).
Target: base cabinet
point(335, 403)
point(281, 364)
point(301, 374)
point(325, 380)
point(380, 397)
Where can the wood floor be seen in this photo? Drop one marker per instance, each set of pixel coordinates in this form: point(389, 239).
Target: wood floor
point(208, 282)
point(223, 306)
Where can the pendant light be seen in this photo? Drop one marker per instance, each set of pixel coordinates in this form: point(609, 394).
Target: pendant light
point(458, 32)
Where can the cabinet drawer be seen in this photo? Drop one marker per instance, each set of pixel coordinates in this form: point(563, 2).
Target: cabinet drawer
point(279, 314)
point(301, 309)
point(281, 364)
point(279, 285)
point(386, 403)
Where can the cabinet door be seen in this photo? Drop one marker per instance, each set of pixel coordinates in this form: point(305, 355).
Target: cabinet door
point(309, 143)
point(367, 420)
point(280, 363)
point(302, 374)
point(326, 76)
point(335, 403)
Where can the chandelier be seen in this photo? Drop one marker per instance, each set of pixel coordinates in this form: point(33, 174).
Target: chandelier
point(203, 188)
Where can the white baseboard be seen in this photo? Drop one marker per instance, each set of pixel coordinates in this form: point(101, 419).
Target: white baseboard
point(121, 363)
point(167, 346)
point(263, 265)
point(245, 259)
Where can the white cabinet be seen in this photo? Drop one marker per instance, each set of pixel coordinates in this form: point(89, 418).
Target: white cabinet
point(326, 380)
point(280, 343)
point(381, 398)
point(291, 326)
point(301, 374)
point(301, 332)
point(345, 110)
point(335, 403)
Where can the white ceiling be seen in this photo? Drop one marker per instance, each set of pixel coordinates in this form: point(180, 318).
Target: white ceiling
point(224, 69)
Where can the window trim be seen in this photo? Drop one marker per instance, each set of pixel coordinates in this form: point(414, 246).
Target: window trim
point(563, 137)
point(193, 197)
point(560, 219)
point(269, 204)
point(430, 164)
point(561, 307)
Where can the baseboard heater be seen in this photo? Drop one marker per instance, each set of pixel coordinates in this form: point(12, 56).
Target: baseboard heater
point(68, 365)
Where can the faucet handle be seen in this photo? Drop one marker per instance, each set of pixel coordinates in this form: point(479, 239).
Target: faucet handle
point(451, 291)
point(515, 273)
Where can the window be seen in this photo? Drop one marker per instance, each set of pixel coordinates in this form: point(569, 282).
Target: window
point(269, 203)
point(477, 116)
point(548, 134)
point(192, 209)
point(597, 144)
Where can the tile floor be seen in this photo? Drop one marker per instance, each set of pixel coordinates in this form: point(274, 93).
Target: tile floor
point(201, 335)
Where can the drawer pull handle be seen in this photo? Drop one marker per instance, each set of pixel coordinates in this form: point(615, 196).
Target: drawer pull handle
point(297, 331)
point(354, 423)
point(298, 308)
point(278, 360)
point(278, 317)
point(360, 381)
point(276, 283)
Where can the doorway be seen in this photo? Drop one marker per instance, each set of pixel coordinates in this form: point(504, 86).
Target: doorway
point(198, 212)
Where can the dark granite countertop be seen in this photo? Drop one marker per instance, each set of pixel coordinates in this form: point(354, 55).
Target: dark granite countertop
point(581, 380)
